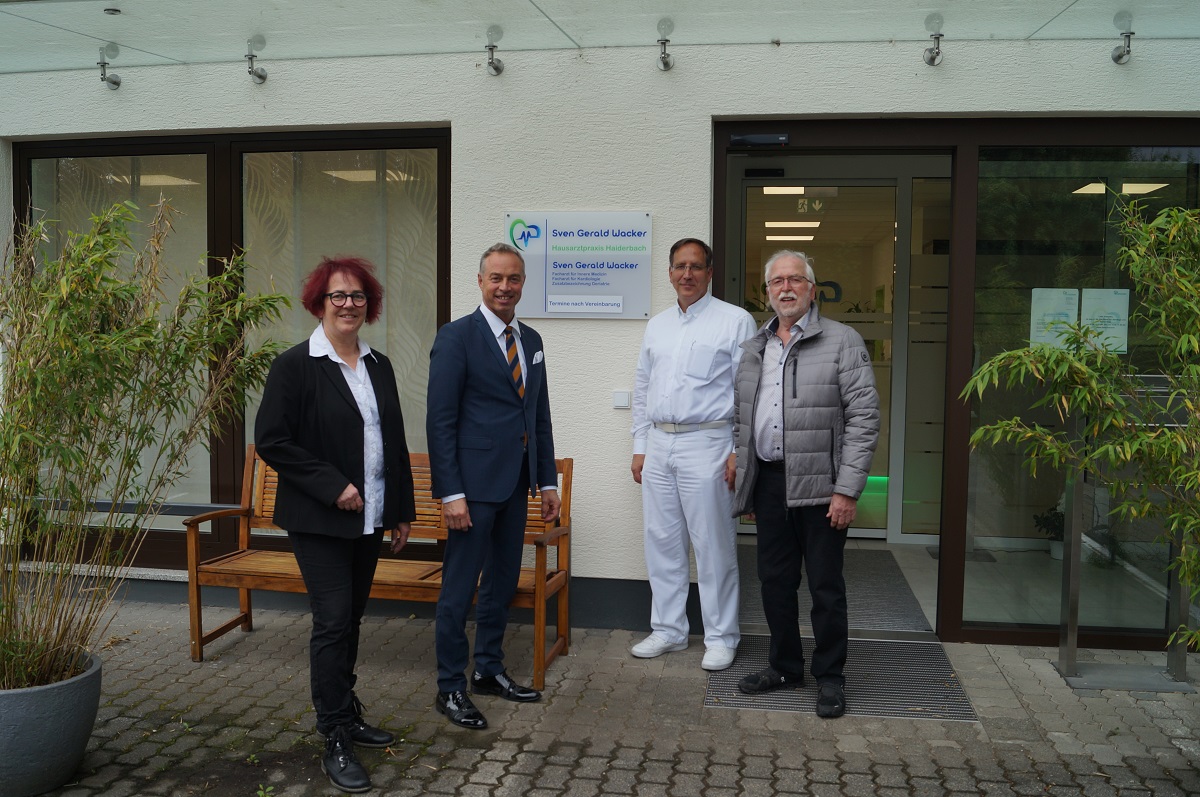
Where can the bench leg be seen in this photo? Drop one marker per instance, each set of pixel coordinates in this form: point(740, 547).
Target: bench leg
point(244, 603)
point(539, 642)
point(563, 628)
point(195, 620)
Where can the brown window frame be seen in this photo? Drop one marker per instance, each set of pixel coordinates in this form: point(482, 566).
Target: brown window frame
point(963, 138)
point(165, 549)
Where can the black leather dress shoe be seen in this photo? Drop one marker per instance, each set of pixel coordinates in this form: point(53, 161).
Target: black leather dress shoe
point(459, 709)
point(503, 686)
point(364, 735)
point(341, 766)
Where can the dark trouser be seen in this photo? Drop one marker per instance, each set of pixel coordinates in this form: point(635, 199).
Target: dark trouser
point(492, 546)
point(792, 542)
point(337, 574)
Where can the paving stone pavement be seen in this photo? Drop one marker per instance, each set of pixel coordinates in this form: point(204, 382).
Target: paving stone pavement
point(240, 723)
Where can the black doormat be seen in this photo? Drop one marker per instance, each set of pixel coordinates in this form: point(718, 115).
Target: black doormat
point(884, 678)
point(878, 597)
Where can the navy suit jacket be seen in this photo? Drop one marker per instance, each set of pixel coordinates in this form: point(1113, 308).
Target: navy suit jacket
point(309, 430)
point(476, 421)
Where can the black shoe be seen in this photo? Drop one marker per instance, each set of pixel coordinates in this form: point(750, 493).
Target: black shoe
point(341, 766)
point(364, 735)
point(459, 709)
point(831, 700)
point(503, 686)
point(768, 680)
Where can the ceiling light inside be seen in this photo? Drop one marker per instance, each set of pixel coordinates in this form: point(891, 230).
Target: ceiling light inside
point(1090, 188)
point(367, 175)
point(151, 180)
point(1141, 188)
point(783, 189)
point(165, 179)
point(790, 237)
point(791, 224)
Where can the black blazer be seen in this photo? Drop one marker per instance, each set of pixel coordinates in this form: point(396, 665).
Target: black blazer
point(309, 430)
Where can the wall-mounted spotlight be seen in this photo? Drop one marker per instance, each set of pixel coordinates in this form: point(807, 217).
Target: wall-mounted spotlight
point(253, 45)
point(933, 55)
point(1121, 52)
point(494, 65)
point(113, 81)
point(665, 27)
point(933, 24)
point(1123, 22)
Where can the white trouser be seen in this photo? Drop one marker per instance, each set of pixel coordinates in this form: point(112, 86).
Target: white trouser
point(685, 498)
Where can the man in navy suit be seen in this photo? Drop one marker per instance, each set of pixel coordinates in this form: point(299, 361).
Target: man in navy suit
point(490, 447)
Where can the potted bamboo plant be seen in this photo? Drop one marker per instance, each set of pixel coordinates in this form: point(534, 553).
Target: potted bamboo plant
point(1052, 523)
point(105, 386)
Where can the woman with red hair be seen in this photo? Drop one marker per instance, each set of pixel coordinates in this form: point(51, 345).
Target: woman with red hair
point(331, 427)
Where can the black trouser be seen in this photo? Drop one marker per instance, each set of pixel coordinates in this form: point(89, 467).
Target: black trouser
point(337, 574)
point(792, 542)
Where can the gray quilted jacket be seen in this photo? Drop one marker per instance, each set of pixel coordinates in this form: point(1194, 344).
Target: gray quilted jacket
point(831, 415)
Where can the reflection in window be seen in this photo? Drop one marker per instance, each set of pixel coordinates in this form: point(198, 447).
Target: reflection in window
point(69, 191)
point(377, 204)
point(1043, 222)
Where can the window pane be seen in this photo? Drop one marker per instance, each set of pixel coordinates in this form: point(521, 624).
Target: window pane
point(71, 190)
point(376, 204)
point(1043, 223)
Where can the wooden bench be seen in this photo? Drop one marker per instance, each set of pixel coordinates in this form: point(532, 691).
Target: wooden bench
point(249, 568)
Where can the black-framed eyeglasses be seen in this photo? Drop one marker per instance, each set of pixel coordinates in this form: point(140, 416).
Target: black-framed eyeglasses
point(792, 280)
point(339, 298)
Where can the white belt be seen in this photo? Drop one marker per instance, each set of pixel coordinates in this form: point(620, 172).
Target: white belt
point(679, 428)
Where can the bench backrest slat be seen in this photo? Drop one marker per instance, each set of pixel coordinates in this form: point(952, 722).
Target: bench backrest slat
point(261, 485)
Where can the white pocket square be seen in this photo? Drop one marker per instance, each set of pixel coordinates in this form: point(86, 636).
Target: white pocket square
point(537, 358)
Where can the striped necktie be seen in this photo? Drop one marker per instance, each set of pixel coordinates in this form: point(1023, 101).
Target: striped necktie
point(514, 362)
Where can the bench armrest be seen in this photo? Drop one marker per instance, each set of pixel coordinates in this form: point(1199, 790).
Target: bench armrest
point(551, 535)
point(196, 520)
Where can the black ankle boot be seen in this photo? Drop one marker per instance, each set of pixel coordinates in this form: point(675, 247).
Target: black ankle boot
point(341, 766)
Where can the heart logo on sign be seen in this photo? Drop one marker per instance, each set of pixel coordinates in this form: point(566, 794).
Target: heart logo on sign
point(521, 233)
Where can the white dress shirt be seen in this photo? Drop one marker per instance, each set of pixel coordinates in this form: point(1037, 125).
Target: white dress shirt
point(687, 364)
point(359, 382)
point(497, 325)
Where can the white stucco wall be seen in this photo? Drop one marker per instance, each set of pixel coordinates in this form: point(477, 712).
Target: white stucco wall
point(597, 130)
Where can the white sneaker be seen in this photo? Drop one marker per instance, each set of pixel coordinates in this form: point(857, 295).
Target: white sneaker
point(654, 645)
point(718, 657)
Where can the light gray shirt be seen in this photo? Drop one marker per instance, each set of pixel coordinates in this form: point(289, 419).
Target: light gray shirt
point(768, 411)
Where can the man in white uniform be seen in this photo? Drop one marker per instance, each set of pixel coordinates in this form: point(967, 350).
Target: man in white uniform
point(683, 458)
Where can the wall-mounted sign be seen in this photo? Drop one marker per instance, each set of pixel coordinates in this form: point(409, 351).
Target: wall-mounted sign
point(583, 264)
point(1106, 310)
point(1049, 309)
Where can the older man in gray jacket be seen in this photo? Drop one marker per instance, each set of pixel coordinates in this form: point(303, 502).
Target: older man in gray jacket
point(806, 421)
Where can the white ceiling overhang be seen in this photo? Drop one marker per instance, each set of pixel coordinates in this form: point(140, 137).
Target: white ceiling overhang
point(48, 35)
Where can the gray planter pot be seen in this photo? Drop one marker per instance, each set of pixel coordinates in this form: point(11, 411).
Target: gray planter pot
point(44, 731)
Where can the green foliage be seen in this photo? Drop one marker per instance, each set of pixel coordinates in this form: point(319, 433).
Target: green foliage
point(1052, 522)
point(106, 386)
point(1139, 431)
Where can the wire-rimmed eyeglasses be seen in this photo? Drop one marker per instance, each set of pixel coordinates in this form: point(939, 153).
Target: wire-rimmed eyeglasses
point(792, 280)
point(358, 298)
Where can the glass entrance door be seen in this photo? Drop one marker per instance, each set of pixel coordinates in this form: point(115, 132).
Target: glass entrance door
point(877, 228)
